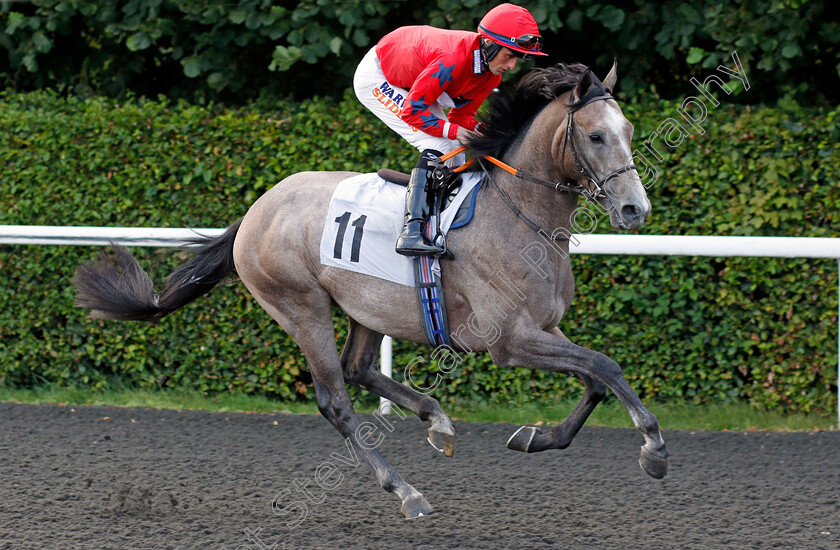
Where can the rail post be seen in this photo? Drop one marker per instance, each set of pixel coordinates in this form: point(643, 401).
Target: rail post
point(386, 366)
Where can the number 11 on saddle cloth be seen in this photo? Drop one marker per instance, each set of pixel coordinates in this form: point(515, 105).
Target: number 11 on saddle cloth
point(363, 221)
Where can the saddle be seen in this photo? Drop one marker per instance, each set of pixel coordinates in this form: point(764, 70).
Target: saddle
point(447, 192)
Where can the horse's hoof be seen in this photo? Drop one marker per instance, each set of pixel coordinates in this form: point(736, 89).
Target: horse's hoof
point(522, 438)
point(445, 443)
point(416, 507)
point(654, 466)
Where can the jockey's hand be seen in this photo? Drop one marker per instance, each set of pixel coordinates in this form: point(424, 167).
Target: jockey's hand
point(464, 134)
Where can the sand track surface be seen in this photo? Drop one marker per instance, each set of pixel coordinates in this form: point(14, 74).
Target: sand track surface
point(107, 478)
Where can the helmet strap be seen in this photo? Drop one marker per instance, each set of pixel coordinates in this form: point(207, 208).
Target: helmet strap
point(489, 50)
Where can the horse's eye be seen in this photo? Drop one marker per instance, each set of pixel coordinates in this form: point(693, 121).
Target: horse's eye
point(595, 138)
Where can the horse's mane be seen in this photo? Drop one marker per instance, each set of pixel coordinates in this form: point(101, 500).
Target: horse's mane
point(508, 113)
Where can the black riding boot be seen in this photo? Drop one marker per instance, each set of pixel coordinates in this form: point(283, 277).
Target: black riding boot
point(412, 241)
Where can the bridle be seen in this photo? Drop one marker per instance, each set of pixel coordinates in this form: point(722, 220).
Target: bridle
point(582, 163)
point(596, 191)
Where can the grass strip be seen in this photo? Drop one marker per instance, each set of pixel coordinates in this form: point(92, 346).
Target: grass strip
point(671, 415)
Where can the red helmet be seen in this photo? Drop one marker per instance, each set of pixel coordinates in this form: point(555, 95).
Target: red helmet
point(512, 27)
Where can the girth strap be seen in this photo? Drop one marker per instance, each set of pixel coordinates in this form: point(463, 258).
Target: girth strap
point(430, 301)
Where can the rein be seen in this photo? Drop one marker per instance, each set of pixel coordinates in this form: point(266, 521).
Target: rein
point(585, 168)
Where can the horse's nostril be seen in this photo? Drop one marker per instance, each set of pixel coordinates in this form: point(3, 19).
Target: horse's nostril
point(631, 211)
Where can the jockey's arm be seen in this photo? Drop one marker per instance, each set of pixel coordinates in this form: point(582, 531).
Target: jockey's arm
point(424, 92)
point(464, 117)
point(463, 114)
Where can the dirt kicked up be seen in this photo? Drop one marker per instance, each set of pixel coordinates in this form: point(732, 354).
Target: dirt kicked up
point(106, 478)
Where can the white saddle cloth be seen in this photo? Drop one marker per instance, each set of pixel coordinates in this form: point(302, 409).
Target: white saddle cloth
point(364, 220)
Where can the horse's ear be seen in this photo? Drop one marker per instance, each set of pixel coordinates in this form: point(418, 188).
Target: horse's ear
point(612, 77)
point(583, 84)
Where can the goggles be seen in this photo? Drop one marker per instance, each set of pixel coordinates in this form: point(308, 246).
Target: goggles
point(530, 42)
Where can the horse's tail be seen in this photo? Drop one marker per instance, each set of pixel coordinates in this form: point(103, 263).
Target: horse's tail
point(116, 287)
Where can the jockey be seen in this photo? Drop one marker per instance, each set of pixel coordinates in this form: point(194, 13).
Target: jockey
point(413, 73)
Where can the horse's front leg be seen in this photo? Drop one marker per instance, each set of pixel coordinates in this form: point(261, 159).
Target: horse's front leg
point(529, 439)
point(549, 351)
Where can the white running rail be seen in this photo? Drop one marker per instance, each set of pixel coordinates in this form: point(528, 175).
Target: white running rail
point(651, 245)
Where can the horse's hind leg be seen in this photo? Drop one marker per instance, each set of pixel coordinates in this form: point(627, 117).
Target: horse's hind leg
point(359, 362)
point(338, 410)
point(311, 327)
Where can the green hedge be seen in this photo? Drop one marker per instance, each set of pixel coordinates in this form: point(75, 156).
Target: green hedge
point(762, 330)
point(239, 50)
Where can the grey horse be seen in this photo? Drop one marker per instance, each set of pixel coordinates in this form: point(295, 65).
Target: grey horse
point(506, 290)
